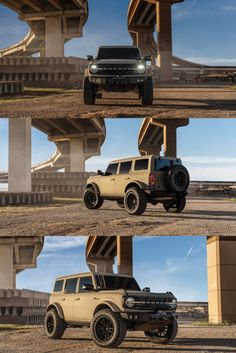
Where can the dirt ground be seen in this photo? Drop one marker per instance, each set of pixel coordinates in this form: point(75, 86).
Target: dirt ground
point(190, 339)
point(170, 102)
point(201, 217)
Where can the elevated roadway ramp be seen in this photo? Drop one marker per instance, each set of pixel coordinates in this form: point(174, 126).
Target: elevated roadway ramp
point(101, 252)
point(51, 22)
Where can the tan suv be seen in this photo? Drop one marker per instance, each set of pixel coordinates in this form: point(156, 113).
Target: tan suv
point(134, 182)
point(110, 305)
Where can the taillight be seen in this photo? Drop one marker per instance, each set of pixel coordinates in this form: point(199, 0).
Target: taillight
point(151, 179)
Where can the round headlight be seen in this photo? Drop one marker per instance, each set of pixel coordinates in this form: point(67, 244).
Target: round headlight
point(141, 68)
point(130, 302)
point(93, 68)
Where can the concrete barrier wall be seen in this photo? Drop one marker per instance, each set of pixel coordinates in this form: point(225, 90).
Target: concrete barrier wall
point(60, 184)
point(23, 198)
point(11, 87)
point(44, 72)
point(22, 307)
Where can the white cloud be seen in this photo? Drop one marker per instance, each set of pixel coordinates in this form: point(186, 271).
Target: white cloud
point(214, 61)
point(229, 8)
point(63, 243)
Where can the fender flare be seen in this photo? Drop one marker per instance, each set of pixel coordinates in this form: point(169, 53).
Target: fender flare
point(108, 303)
point(58, 308)
point(134, 183)
point(95, 186)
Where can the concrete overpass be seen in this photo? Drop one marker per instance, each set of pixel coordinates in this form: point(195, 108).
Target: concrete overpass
point(76, 140)
point(17, 254)
point(157, 133)
point(144, 17)
point(51, 22)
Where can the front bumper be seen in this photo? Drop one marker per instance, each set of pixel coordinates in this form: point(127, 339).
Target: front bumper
point(146, 321)
point(117, 80)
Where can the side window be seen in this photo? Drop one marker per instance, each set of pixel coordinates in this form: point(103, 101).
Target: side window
point(58, 286)
point(125, 167)
point(141, 164)
point(71, 285)
point(85, 281)
point(112, 169)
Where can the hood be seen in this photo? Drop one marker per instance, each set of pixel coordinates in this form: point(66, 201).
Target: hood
point(117, 61)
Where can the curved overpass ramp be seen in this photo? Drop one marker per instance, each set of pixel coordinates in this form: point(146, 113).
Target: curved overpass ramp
point(51, 22)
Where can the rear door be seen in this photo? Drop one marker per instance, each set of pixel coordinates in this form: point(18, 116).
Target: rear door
point(123, 178)
point(67, 301)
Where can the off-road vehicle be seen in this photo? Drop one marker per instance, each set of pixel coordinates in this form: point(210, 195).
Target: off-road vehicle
point(134, 182)
point(110, 305)
point(118, 69)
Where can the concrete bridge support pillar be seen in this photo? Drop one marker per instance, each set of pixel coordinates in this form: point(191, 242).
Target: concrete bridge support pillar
point(54, 40)
point(125, 255)
point(170, 127)
point(77, 157)
point(19, 155)
point(221, 257)
point(164, 29)
point(7, 272)
point(100, 265)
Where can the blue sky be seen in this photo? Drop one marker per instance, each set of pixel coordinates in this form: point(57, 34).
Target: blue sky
point(176, 264)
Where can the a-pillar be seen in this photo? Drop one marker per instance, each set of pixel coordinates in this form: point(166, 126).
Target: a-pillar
point(77, 156)
point(7, 271)
point(221, 258)
point(54, 39)
point(19, 175)
point(125, 255)
point(170, 127)
point(164, 29)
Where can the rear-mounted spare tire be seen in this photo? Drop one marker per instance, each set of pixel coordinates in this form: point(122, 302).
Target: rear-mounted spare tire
point(177, 179)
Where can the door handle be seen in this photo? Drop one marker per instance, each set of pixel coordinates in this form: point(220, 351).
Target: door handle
point(127, 178)
point(63, 299)
point(112, 179)
point(95, 298)
point(77, 299)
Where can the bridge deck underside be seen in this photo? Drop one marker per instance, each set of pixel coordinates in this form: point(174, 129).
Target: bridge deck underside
point(169, 102)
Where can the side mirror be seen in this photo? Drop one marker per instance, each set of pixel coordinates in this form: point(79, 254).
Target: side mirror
point(89, 57)
point(88, 287)
point(100, 172)
point(148, 58)
point(147, 289)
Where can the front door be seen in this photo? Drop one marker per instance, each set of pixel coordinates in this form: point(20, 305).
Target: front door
point(84, 302)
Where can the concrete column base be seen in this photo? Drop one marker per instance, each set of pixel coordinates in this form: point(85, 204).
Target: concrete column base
point(125, 255)
point(54, 40)
point(19, 179)
point(164, 28)
point(221, 257)
point(77, 157)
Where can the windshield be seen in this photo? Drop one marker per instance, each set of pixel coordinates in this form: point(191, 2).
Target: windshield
point(163, 164)
point(119, 53)
point(115, 283)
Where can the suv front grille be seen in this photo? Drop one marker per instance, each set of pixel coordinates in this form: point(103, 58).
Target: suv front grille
point(116, 69)
point(152, 303)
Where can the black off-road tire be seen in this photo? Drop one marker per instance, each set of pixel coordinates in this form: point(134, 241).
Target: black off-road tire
point(88, 92)
point(120, 203)
point(108, 329)
point(147, 92)
point(135, 201)
point(92, 200)
point(54, 325)
point(177, 179)
point(166, 336)
point(175, 206)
